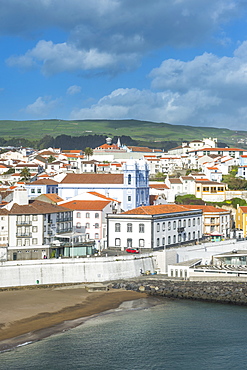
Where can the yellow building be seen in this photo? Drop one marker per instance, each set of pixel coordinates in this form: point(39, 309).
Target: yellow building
point(241, 219)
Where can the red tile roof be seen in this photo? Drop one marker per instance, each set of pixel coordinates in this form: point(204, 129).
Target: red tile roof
point(87, 205)
point(156, 210)
point(93, 178)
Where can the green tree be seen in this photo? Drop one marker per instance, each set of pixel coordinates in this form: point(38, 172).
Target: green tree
point(88, 152)
point(51, 159)
point(25, 174)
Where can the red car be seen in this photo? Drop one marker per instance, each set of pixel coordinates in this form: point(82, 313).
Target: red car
point(132, 250)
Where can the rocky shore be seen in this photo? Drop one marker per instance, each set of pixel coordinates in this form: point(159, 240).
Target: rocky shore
point(223, 292)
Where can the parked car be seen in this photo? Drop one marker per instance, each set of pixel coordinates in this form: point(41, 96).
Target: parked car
point(132, 250)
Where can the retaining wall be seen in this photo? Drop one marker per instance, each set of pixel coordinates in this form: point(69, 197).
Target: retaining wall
point(99, 269)
point(224, 292)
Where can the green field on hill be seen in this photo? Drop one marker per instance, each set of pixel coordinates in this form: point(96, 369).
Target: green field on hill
point(138, 130)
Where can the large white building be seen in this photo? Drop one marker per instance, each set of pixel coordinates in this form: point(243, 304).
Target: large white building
point(153, 227)
point(130, 188)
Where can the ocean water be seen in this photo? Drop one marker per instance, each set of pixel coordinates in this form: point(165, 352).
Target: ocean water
point(145, 334)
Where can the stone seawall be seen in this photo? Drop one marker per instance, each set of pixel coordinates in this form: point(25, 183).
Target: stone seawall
point(224, 292)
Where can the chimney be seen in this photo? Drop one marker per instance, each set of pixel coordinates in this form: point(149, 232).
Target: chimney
point(20, 196)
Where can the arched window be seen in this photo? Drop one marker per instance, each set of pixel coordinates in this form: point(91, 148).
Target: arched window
point(96, 226)
point(78, 214)
point(96, 215)
point(117, 227)
point(78, 225)
point(129, 228)
point(141, 228)
point(87, 225)
point(87, 215)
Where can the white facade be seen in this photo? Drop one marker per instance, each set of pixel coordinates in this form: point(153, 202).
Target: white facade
point(152, 231)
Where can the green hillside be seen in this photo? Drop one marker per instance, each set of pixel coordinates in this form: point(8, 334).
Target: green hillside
point(138, 130)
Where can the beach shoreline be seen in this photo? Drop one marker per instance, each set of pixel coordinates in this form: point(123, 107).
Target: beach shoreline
point(31, 315)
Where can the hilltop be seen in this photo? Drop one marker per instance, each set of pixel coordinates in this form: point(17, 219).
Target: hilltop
point(144, 131)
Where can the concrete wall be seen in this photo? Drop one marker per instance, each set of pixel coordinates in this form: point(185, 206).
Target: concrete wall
point(77, 270)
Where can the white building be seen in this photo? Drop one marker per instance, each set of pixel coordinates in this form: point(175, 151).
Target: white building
point(130, 188)
point(154, 227)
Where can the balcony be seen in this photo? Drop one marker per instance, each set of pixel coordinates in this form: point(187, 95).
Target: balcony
point(180, 229)
point(25, 223)
point(24, 235)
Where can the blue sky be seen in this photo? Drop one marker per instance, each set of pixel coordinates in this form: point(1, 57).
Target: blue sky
point(175, 61)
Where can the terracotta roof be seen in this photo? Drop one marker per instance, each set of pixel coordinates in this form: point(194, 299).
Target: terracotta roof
point(43, 182)
point(209, 209)
point(158, 186)
point(93, 178)
point(36, 207)
point(140, 149)
point(188, 178)
point(156, 210)
point(87, 205)
point(102, 196)
point(53, 197)
point(206, 181)
point(243, 209)
point(175, 181)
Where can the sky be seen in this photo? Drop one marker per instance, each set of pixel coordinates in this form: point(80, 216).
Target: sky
point(175, 61)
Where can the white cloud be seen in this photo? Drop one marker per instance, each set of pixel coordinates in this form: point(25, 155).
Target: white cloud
point(106, 34)
point(55, 58)
point(41, 107)
point(207, 90)
point(74, 89)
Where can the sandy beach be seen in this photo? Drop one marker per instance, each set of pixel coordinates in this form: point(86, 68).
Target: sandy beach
point(28, 315)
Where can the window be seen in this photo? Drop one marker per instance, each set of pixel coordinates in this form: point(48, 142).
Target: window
point(129, 198)
point(35, 217)
point(141, 243)
point(174, 239)
point(117, 242)
point(179, 223)
point(32, 191)
point(87, 236)
point(184, 223)
point(158, 242)
point(39, 191)
point(78, 214)
point(96, 215)
point(163, 241)
point(163, 226)
point(141, 228)
point(78, 225)
point(169, 240)
point(96, 236)
point(198, 221)
point(35, 241)
point(35, 229)
point(194, 235)
point(87, 225)
point(169, 225)
point(117, 228)
point(158, 227)
point(179, 238)
point(96, 226)
point(129, 179)
point(174, 225)
point(189, 236)
point(189, 222)
point(19, 242)
point(87, 215)
point(194, 222)
point(129, 243)
point(129, 228)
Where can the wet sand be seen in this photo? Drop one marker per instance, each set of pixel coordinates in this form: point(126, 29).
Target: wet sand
point(28, 315)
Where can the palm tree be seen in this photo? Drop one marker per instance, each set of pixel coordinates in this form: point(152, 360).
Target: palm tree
point(88, 152)
point(25, 174)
